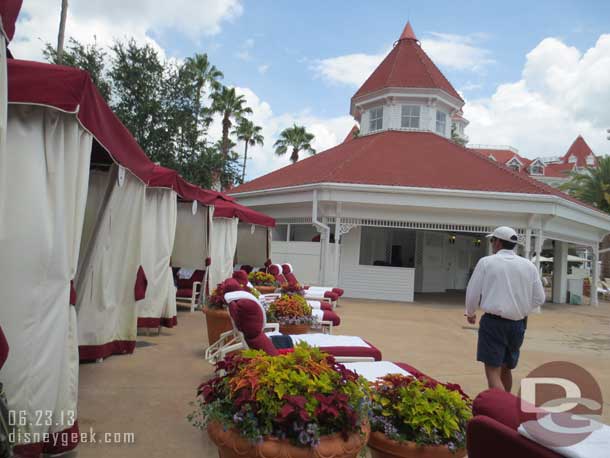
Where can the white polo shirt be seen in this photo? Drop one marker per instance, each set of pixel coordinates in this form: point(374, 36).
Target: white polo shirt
point(504, 284)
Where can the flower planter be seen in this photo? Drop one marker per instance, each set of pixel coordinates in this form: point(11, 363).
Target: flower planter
point(382, 447)
point(295, 328)
point(231, 445)
point(265, 289)
point(217, 322)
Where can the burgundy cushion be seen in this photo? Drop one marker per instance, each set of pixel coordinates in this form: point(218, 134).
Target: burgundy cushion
point(230, 285)
point(325, 306)
point(263, 342)
point(338, 291)
point(486, 437)
point(290, 277)
point(281, 278)
point(3, 348)
point(246, 268)
point(248, 317)
point(241, 276)
point(141, 284)
point(184, 292)
point(188, 282)
point(329, 315)
point(268, 263)
point(285, 269)
point(330, 295)
point(501, 406)
point(369, 351)
point(274, 270)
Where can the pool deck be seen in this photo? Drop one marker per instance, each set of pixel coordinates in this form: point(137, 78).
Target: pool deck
point(148, 393)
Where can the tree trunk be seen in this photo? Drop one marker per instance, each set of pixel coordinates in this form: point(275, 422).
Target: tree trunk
point(62, 31)
point(243, 170)
point(294, 157)
point(226, 125)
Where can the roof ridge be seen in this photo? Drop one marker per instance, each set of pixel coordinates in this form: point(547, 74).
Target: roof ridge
point(389, 78)
point(438, 70)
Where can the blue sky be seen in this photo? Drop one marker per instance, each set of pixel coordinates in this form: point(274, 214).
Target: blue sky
point(534, 74)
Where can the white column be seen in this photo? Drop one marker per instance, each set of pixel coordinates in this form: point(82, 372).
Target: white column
point(539, 243)
point(528, 243)
point(594, 274)
point(560, 272)
point(337, 240)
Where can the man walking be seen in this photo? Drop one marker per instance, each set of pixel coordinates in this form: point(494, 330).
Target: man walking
point(507, 287)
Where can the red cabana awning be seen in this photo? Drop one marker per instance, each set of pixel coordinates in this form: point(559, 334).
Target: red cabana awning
point(9, 10)
point(224, 209)
point(71, 90)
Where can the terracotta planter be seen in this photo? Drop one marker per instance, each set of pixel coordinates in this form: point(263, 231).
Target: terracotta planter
point(231, 445)
point(295, 328)
point(382, 447)
point(217, 322)
point(265, 289)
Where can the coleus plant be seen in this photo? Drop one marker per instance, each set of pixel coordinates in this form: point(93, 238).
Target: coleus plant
point(290, 309)
point(300, 396)
point(262, 279)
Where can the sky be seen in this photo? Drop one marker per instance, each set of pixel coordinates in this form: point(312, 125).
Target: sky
point(534, 74)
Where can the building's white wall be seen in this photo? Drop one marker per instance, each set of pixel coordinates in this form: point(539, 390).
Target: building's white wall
point(304, 257)
point(372, 282)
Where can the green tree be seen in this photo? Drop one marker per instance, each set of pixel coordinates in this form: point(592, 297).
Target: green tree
point(250, 134)
point(202, 73)
point(455, 137)
point(231, 107)
point(296, 138)
point(592, 185)
point(90, 58)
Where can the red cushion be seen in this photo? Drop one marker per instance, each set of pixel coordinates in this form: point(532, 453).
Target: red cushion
point(3, 348)
point(280, 278)
point(141, 284)
point(184, 292)
point(241, 276)
point(188, 282)
point(274, 270)
point(325, 305)
point(501, 406)
point(338, 291)
point(248, 317)
point(332, 296)
point(369, 351)
point(263, 342)
point(246, 268)
point(285, 269)
point(329, 315)
point(290, 277)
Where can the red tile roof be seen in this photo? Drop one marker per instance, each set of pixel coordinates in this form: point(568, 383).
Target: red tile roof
point(581, 150)
point(395, 158)
point(501, 155)
point(558, 170)
point(407, 65)
point(352, 134)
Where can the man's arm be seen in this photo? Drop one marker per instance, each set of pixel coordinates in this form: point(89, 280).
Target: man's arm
point(538, 294)
point(474, 289)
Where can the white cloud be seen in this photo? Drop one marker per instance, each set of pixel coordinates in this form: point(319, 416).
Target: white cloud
point(562, 93)
point(328, 133)
point(449, 51)
point(262, 69)
point(111, 19)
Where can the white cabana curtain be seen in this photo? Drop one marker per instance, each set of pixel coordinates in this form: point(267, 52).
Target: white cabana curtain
point(47, 160)
point(223, 241)
point(191, 241)
point(252, 243)
point(3, 121)
point(159, 232)
point(106, 305)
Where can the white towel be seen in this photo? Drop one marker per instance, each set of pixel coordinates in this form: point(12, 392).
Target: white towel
point(315, 305)
point(185, 274)
point(318, 313)
point(326, 340)
point(596, 445)
point(372, 370)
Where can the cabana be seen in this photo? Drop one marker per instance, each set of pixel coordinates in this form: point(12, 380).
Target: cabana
point(78, 184)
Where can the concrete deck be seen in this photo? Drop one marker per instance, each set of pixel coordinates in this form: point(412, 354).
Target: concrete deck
point(148, 393)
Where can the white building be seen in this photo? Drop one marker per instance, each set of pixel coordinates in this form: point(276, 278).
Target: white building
point(400, 208)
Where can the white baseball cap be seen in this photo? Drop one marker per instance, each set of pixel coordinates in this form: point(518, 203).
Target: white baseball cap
point(504, 233)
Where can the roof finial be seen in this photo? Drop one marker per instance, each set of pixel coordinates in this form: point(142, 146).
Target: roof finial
point(407, 33)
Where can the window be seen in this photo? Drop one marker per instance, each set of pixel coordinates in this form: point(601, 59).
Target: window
point(572, 159)
point(303, 233)
point(280, 233)
point(376, 119)
point(514, 165)
point(380, 246)
point(537, 169)
point(590, 159)
point(441, 122)
point(409, 116)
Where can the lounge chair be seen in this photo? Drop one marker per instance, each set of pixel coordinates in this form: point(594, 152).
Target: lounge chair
point(188, 289)
point(250, 330)
point(313, 292)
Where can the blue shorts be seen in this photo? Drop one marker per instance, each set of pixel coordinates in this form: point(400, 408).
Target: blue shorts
point(500, 341)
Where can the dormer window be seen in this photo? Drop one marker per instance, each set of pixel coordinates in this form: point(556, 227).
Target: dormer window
point(376, 119)
point(536, 169)
point(441, 122)
point(572, 159)
point(514, 164)
point(409, 116)
point(590, 159)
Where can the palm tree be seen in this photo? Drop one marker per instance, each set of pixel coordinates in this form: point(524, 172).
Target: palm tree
point(251, 135)
point(592, 185)
point(232, 107)
point(62, 31)
point(202, 72)
point(297, 138)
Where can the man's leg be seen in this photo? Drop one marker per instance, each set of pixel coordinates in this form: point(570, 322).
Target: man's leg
point(507, 378)
point(494, 377)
